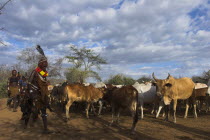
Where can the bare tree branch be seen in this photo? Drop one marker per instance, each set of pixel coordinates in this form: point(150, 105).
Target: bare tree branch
point(2, 7)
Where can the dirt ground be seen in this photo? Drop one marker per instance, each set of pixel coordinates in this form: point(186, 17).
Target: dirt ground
point(97, 128)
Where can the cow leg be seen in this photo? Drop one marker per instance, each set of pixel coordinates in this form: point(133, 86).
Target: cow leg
point(159, 109)
point(87, 109)
point(194, 107)
point(135, 119)
point(118, 115)
point(153, 108)
point(207, 104)
point(166, 107)
point(100, 107)
point(93, 108)
point(187, 107)
point(113, 114)
point(67, 109)
point(142, 110)
point(174, 109)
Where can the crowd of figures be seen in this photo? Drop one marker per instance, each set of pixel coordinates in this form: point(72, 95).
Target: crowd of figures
point(35, 95)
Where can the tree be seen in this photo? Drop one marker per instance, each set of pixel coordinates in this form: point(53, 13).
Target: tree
point(1, 8)
point(203, 78)
point(84, 61)
point(29, 58)
point(120, 79)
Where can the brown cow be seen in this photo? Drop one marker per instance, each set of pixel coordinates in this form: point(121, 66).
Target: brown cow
point(122, 98)
point(174, 89)
point(79, 92)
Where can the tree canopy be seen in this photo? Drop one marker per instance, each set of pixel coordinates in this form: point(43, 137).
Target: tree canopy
point(85, 61)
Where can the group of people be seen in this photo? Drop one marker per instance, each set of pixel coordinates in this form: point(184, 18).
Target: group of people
point(31, 93)
point(16, 87)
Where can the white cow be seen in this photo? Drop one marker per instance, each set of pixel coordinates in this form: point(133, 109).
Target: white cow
point(99, 85)
point(147, 94)
point(86, 84)
point(118, 86)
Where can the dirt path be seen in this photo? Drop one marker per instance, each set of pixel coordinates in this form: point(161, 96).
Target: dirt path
point(97, 128)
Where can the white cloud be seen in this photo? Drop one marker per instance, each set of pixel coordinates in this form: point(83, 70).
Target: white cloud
point(147, 32)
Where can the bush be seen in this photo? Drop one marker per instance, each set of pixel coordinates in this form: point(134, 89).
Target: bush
point(3, 89)
point(120, 79)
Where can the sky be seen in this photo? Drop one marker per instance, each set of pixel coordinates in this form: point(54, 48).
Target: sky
point(136, 37)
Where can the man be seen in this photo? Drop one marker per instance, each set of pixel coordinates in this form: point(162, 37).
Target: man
point(13, 90)
point(38, 92)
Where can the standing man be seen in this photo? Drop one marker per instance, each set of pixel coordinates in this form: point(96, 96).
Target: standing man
point(13, 90)
point(38, 91)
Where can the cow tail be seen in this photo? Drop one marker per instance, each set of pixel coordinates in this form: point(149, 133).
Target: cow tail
point(135, 117)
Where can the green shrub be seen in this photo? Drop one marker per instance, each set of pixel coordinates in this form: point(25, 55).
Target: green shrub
point(3, 89)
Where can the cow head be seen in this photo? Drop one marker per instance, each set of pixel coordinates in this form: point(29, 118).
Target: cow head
point(164, 88)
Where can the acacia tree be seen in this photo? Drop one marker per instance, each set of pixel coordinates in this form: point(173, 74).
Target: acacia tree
point(84, 60)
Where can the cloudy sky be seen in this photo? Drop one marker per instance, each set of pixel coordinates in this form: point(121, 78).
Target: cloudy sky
point(136, 37)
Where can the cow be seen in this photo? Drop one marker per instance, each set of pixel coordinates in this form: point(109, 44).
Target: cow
point(147, 94)
point(118, 86)
point(208, 97)
point(79, 92)
point(200, 94)
point(123, 98)
point(175, 89)
point(58, 96)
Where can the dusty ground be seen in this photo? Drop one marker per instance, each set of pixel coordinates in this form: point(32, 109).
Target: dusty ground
point(97, 128)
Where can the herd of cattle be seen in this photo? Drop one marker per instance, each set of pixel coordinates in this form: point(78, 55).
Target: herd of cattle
point(159, 93)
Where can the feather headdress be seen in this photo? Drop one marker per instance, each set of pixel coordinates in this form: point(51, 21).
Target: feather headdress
point(40, 50)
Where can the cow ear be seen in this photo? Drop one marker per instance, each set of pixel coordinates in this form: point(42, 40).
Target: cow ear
point(153, 83)
point(168, 85)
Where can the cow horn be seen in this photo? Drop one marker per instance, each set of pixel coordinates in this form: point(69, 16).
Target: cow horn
point(153, 75)
point(168, 76)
